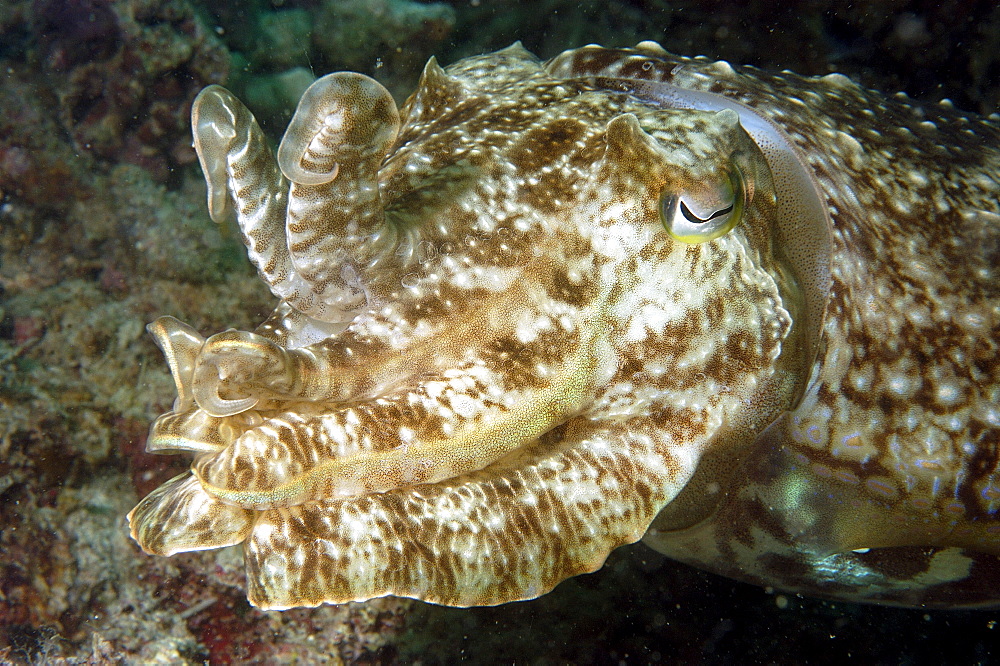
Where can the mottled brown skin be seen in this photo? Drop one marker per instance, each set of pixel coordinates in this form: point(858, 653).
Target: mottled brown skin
point(883, 484)
point(494, 359)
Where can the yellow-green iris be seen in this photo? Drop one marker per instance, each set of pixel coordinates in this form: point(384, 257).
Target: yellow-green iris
point(692, 221)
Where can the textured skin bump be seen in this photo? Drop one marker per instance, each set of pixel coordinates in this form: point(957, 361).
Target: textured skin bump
point(492, 363)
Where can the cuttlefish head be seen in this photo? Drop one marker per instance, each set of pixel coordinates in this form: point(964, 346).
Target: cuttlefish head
point(514, 318)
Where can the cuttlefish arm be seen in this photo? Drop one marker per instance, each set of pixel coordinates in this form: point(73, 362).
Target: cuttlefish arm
point(347, 507)
point(469, 437)
point(312, 266)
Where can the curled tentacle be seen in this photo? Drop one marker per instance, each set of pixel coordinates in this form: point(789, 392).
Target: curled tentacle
point(236, 362)
point(337, 140)
point(180, 345)
point(187, 427)
point(244, 180)
point(235, 370)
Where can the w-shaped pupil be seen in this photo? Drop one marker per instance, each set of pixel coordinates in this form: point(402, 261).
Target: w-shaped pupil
point(694, 219)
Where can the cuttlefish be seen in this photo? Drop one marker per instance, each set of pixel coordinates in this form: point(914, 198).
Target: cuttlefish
point(545, 309)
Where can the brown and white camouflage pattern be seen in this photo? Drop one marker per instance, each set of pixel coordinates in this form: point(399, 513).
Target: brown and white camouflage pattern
point(492, 364)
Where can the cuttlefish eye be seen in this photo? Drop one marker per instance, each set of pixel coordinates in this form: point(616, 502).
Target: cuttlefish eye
point(699, 217)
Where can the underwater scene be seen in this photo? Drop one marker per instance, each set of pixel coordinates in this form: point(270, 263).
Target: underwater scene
point(420, 332)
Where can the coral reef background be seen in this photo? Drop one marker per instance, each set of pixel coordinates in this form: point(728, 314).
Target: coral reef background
point(103, 227)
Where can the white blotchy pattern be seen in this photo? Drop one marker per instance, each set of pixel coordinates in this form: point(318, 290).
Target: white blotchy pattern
point(521, 363)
